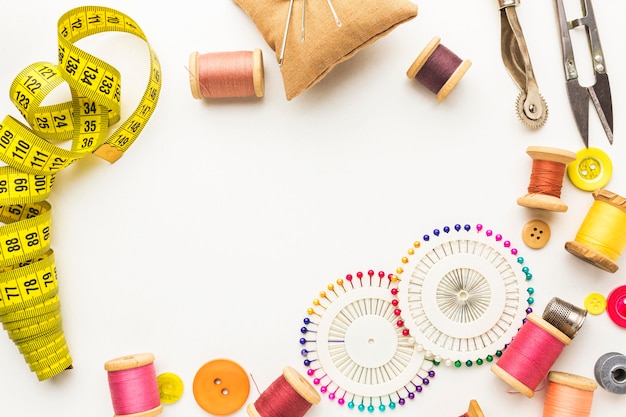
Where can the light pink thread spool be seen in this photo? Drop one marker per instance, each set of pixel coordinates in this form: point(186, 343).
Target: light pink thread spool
point(226, 74)
point(133, 386)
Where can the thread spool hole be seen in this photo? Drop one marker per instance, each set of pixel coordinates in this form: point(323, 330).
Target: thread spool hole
point(619, 375)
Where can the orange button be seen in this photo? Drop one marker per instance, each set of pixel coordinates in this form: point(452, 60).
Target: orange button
point(221, 387)
point(536, 234)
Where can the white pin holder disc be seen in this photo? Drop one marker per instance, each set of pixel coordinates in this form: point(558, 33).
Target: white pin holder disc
point(464, 293)
point(354, 350)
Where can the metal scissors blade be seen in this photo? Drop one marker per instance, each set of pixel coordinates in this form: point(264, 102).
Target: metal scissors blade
point(600, 92)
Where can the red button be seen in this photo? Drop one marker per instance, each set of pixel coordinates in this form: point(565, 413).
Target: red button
point(616, 306)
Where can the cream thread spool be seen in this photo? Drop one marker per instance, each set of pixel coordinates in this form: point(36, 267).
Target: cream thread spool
point(235, 74)
point(546, 179)
point(601, 242)
point(438, 68)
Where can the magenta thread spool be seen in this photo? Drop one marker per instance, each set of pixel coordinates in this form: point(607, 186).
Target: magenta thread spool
point(530, 355)
point(438, 69)
point(133, 385)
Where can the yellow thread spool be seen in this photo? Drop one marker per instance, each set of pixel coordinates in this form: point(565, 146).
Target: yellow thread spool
point(602, 236)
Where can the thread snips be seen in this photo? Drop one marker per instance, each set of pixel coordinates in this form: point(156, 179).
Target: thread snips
point(531, 107)
point(600, 92)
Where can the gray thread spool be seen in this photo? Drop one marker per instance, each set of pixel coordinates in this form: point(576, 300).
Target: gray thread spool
point(564, 316)
point(610, 372)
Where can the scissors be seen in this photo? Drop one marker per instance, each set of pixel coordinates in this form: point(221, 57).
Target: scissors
point(600, 92)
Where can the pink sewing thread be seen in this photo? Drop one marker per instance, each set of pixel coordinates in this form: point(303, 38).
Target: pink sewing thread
point(226, 74)
point(531, 354)
point(134, 390)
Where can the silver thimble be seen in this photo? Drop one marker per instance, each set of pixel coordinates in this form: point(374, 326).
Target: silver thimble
point(564, 316)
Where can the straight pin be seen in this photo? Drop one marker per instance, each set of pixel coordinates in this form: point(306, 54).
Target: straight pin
point(303, 13)
point(282, 49)
point(332, 10)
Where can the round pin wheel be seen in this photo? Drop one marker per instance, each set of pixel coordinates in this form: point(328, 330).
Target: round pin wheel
point(356, 350)
point(463, 293)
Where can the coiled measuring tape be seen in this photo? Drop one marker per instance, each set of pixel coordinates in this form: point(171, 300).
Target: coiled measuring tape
point(29, 300)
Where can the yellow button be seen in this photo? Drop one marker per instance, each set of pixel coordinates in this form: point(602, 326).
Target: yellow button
point(595, 303)
point(170, 388)
point(536, 234)
point(591, 170)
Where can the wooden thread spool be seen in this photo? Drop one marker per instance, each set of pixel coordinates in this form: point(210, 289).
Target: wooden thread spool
point(133, 385)
point(601, 237)
point(568, 395)
point(438, 68)
point(530, 355)
point(226, 74)
point(546, 178)
point(289, 395)
point(473, 410)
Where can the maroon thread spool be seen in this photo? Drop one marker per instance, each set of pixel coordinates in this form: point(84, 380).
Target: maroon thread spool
point(438, 69)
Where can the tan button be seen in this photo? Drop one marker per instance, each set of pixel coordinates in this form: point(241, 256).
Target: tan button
point(536, 234)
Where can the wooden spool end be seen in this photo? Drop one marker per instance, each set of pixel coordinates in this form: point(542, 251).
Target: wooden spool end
point(610, 198)
point(542, 201)
point(573, 381)
point(453, 80)
point(512, 381)
point(301, 385)
point(194, 81)
point(129, 362)
point(545, 153)
point(559, 335)
point(252, 412)
point(421, 59)
point(474, 409)
point(591, 255)
point(150, 413)
point(258, 73)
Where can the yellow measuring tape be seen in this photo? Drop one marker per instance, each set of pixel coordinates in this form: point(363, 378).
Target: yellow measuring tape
point(29, 301)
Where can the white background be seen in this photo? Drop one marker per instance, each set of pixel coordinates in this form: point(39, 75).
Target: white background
point(215, 231)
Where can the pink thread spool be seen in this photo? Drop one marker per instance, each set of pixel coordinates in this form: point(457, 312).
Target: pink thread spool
point(226, 74)
point(530, 355)
point(133, 386)
point(438, 69)
point(289, 395)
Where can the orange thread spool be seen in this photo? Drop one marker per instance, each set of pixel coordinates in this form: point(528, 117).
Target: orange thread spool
point(568, 395)
point(226, 74)
point(546, 178)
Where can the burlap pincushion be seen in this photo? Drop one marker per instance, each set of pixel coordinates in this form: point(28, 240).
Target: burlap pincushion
point(325, 43)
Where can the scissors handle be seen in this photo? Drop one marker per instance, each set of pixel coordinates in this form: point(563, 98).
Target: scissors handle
point(589, 21)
